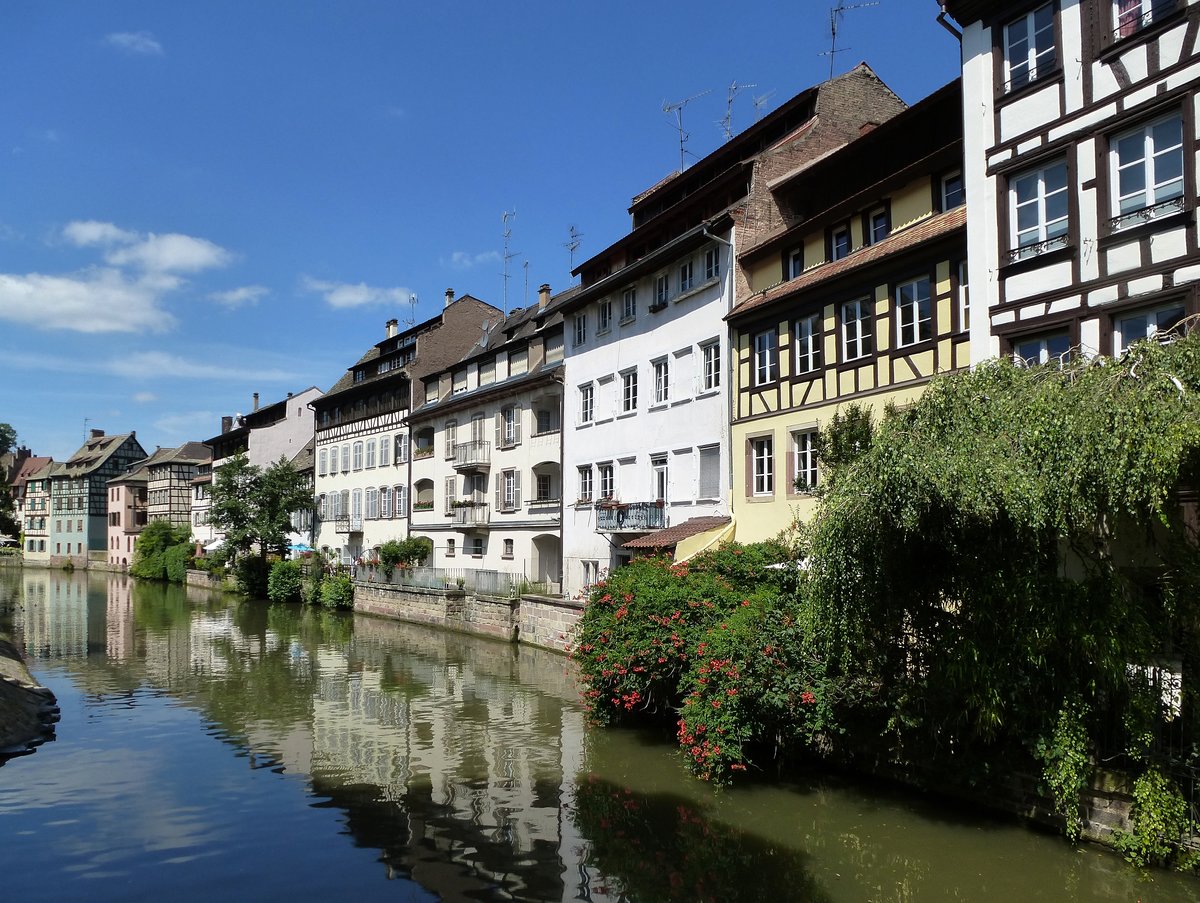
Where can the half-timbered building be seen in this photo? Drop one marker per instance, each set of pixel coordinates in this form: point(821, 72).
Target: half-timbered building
point(850, 290)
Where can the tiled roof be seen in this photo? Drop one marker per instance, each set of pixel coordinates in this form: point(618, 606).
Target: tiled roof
point(672, 535)
point(305, 459)
point(933, 227)
point(29, 466)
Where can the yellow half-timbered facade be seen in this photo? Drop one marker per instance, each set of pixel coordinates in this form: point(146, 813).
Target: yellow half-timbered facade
point(852, 290)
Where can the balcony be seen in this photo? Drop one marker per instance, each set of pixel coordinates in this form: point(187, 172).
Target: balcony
point(634, 517)
point(471, 516)
point(473, 455)
point(347, 524)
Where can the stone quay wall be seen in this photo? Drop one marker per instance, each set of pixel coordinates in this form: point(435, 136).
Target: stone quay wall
point(534, 620)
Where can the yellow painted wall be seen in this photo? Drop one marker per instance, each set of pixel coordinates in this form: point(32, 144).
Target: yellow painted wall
point(765, 273)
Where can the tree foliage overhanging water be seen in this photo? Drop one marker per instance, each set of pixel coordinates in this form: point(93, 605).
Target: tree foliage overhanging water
point(1007, 576)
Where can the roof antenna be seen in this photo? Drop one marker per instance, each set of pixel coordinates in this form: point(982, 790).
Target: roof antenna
point(86, 421)
point(677, 109)
point(760, 102)
point(572, 245)
point(508, 255)
point(835, 15)
point(525, 266)
point(727, 122)
point(411, 319)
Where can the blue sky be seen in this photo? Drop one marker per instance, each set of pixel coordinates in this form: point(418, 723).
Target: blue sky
point(199, 201)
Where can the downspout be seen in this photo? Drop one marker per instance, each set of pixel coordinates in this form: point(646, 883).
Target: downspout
point(943, 21)
point(561, 378)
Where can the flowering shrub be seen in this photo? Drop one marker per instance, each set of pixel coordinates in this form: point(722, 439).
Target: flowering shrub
point(642, 624)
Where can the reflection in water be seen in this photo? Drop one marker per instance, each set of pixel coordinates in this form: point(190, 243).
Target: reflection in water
point(389, 759)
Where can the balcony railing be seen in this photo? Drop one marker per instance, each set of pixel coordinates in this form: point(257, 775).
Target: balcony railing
point(472, 516)
point(472, 455)
point(634, 517)
point(347, 524)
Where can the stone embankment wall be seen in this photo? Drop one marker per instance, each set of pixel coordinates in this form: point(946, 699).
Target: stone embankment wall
point(536, 620)
point(206, 580)
point(27, 711)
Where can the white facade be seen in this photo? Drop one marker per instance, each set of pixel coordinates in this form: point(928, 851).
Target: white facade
point(1081, 173)
point(487, 480)
point(647, 406)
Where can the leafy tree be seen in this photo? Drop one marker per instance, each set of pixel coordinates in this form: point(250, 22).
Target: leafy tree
point(232, 508)
point(253, 507)
point(162, 551)
point(8, 438)
point(8, 523)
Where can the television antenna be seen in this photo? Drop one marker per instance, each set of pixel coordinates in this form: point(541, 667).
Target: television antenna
point(525, 266)
point(573, 243)
point(835, 16)
point(727, 122)
point(677, 109)
point(759, 102)
point(508, 255)
point(411, 319)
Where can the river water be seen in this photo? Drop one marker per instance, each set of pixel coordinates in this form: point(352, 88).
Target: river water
point(213, 749)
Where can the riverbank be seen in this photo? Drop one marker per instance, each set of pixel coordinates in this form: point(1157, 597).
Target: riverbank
point(28, 710)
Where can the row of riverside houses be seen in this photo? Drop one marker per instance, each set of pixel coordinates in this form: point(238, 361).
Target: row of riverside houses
point(822, 256)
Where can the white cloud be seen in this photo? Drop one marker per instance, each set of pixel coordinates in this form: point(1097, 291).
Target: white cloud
point(86, 233)
point(171, 253)
point(190, 424)
point(142, 42)
point(159, 364)
point(462, 260)
point(95, 301)
point(341, 295)
point(236, 297)
point(144, 397)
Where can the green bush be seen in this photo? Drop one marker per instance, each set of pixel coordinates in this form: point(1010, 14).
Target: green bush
point(310, 586)
point(176, 561)
point(251, 572)
point(153, 555)
point(284, 581)
point(337, 592)
point(1160, 823)
point(403, 553)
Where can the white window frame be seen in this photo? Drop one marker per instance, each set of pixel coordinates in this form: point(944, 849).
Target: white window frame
point(840, 239)
point(687, 276)
point(603, 317)
point(804, 461)
point(712, 263)
point(712, 454)
point(1153, 325)
point(795, 262)
point(710, 366)
point(1138, 14)
point(1032, 194)
point(1037, 58)
point(606, 478)
point(629, 304)
point(879, 225)
point(587, 403)
point(660, 477)
point(662, 380)
point(914, 312)
point(809, 338)
point(952, 191)
point(662, 290)
point(1141, 204)
point(586, 485)
point(345, 459)
point(1041, 345)
point(385, 451)
point(370, 451)
point(766, 357)
point(858, 332)
point(629, 391)
point(322, 462)
point(762, 463)
point(579, 337)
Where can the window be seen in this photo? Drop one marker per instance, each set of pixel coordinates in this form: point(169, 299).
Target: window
point(585, 483)
point(914, 312)
point(451, 494)
point(475, 546)
point(591, 572)
point(518, 361)
point(356, 504)
point(794, 263)
point(766, 364)
point(458, 382)
point(1029, 52)
point(629, 304)
point(510, 426)
point(487, 370)
point(402, 448)
point(322, 462)
point(547, 420)
point(1145, 324)
point(658, 477)
point(604, 317)
point(662, 381)
point(662, 290)
point(508, 493)
point(1147, 169)
point(762, 455)
point(370, 453)
point(607, 484)
point(580, 329)
point(385, 451)
point(839, 243)
point(400, 495)
point(804, 475)
point(858, 338)
point(709, 468)
point(372, 504)
point(629, 387)
point(554, 349)
point(1043, 349)
point(951, 193)
point(710, 364)
point(544, 487)
point(385, 502)
point(345, 459)
point(587, 403)
point(450, 548)
point(508, 548)
point(1131, 16)
point(712, 263)
point(808, 343)
point(1038, 210)
point(879, 225)
point(450, 439)
point(686, 276)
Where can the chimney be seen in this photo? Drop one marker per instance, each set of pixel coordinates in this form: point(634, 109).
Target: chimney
point(392, 328)
point(226, 425)
point(449, 296)
point(96, 434)
point(289, 394)
point(543, 295)
point(256, 401)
